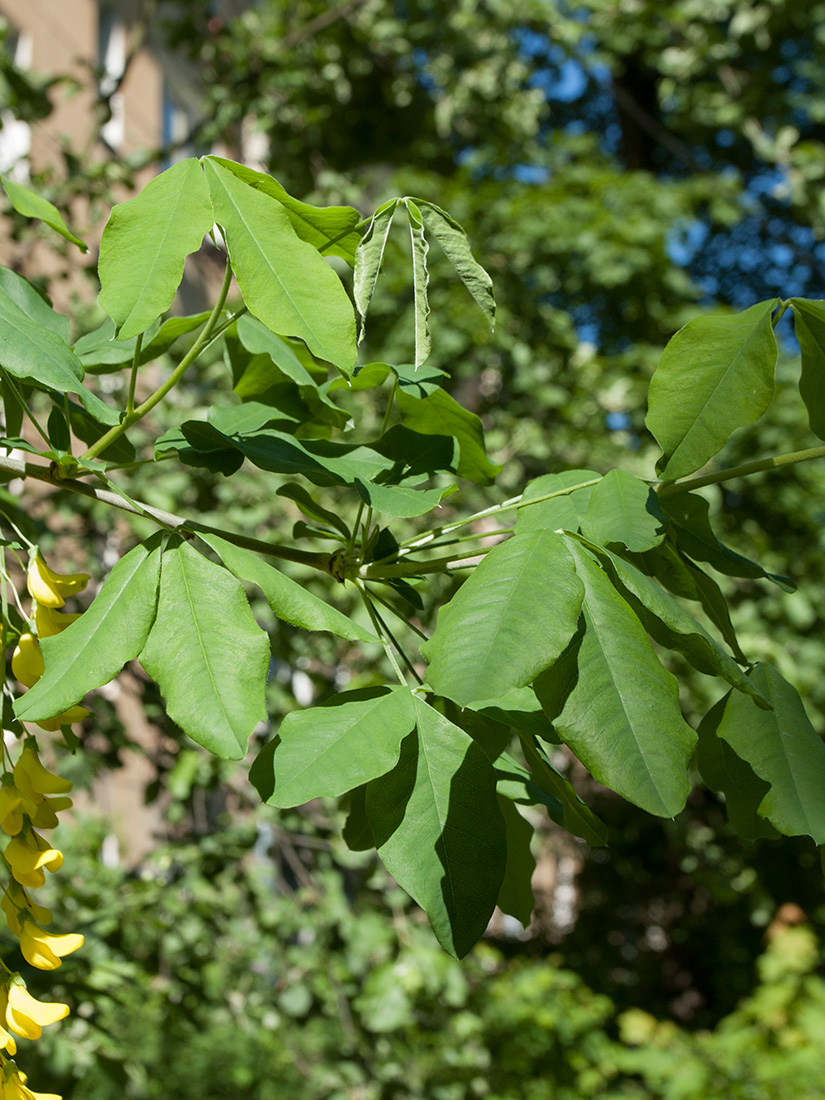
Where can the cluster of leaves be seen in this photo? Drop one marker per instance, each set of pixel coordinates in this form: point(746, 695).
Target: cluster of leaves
point(550, 640)
point(209, 970)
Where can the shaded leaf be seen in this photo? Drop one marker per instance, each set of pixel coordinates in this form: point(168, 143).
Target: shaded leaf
point(399, 500)
point(331, 748)
point(34, 304)
point(145, 244)
point(440, 414)
point(421, 278)
point(715, 375)
point(507, 622)
point(809, 325)
point(439, 830)
point(784, 751)
point(576, 815)
point(620, 715)
point(516, 894)
point(206, 653)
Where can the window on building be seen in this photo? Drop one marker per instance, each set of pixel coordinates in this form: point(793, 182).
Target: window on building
point(111, 62)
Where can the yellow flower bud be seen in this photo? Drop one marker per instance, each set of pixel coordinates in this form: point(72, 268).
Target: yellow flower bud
point(50, 588)
point(44, 949)
point(24, 1014)
point(49, 622)
point(16, 903)
point(32, 779)
point(27, 661)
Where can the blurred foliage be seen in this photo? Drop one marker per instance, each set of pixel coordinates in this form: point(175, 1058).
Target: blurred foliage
point(261, 959)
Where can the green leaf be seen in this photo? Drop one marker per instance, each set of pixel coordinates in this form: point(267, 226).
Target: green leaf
point(289, 600)
point(399, 500)
point(438, 828)
point(695, 536)
point(671, 626)
point(559, 505)
point(357, 833)
point(619, 711)
point(30, 205)
point(576, 815)
point(809, 324)
point(311, 508)
point(368, 259)
point(145, 244)
point(58, 430)
point(99, 350)
point(715, 375)
point(440, 414)
point(34, 304)
point(206, 653)
point(329, 229)
point(323, 463)
point(727, 773)
point(514, 782)
point(519, 709)
point(715, 606)
point(456, 246)
point(507, 622)
point(421, 278)
point(259, 340)
point(89, 430)
point(332, 748)
point(284, 281)
point(784, 751)
point(622, 509)
point(516, 894)
point(94, 648)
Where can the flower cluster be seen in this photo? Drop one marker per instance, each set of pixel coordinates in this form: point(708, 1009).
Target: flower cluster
point(30, 799)
point(48, 591)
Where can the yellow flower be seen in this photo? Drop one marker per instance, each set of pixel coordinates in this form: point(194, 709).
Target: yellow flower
point(27, 660)
point(67, 718)
point(32, 779)
point(16, 903)
point(50, 588)
point(13, 805)
point(49, 622)
point(27, 854)
point(44, 949)
point(7, 1043)
point(44, 816)
point(14, 1086)
point(24, 1014)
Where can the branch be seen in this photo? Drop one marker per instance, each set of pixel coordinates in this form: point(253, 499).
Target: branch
point(775, 462)
point(18, 467)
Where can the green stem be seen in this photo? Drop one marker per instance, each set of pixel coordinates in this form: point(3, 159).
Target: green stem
point(398, 647)
point(506, 506)
point(377, 627)
point(354, 533)
point(779, 313)
point(375, 571)
point(388, 409)
point(13, 387)
point(401, 618)
point(146, 407)
point(674, 488)
point(466, 538)
point(345, 233)
point(18, 468)
point(130, 401)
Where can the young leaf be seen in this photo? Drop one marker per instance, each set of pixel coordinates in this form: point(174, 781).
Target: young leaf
point(30, 205)
point(715, 375)
point(784, 751)
point(289, 600)
point(440, 414)
point(453, 241)
point(145, 244)
point(206, 653)
point(621, 714)
point(724, 771)
point(576, 815)
point(330, 229)
point(94, 648)
point(516, 894)
point(563, 511)
point(420, 280)
point(438, 828)
point(624, 510)
point(507, 622)
point(809, 324)
point(328, 750)
point(284, 281)
point(368, 259)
